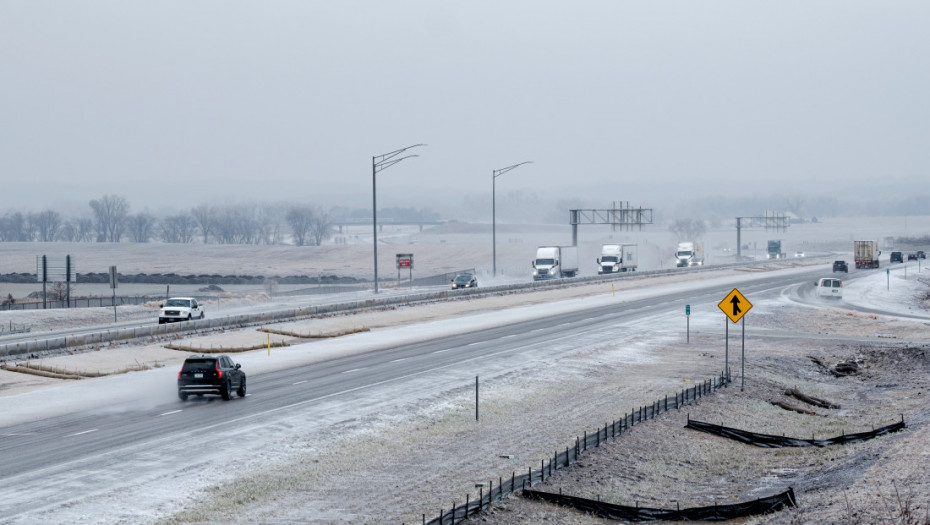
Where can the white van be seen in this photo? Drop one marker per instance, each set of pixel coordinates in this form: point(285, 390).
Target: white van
point(829, 287)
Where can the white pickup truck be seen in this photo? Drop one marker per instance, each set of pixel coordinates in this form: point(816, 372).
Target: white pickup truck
point(180, 309)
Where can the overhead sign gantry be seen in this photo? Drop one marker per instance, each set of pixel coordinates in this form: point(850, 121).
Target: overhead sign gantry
point(771, 221)
point(624, 216)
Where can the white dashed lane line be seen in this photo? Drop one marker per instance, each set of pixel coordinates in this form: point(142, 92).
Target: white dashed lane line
point(169, 413)
point(84, 432)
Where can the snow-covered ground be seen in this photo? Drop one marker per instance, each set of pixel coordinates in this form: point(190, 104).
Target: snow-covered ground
point(343, 468)
point(143, 490)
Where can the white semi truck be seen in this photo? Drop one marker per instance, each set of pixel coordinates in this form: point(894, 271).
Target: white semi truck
point(689, 254)
point(616, 258)
point(866, 254)
point(554, 262)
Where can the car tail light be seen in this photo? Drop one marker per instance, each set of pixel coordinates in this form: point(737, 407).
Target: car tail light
point(179, 373)
point(219, 373)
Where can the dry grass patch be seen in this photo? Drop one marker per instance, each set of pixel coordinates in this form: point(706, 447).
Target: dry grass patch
point(224, 349)
point(55, 372)
point(321, 335)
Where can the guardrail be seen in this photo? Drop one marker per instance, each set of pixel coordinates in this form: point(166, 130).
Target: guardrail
point(46, 346)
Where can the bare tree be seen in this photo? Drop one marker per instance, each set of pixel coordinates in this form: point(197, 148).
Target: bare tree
point(77, 230)
point(267, 224)
point(110, 212)
point(178, 228)
point(321, 227)
point(58, 290)
point(205, 216)
point(688, 229)
point(236, 225)
point(68, 232)
point(14, 228)
point(45, 225)
point(140, 226)
point(300, 219)
point(85, 228)
point(795, 204)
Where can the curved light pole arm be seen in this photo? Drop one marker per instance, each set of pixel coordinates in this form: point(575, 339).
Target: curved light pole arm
point(498, 173)
point(378, 163)
point(494, 175)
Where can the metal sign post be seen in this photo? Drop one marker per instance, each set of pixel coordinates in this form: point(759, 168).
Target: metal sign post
point(405, 260)
point(735, 306)
point(113, 284)
point(688, 317)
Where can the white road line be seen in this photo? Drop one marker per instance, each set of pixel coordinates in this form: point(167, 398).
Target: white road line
point(473, 344)
point(85, 432)
point(401, 359)
point(169, 413)
point(353, 370)
point(299, 382)
point(441, 351)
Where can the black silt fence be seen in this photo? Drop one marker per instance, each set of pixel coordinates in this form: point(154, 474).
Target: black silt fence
point(709, 513)
point(770, 441)
point(475, 503)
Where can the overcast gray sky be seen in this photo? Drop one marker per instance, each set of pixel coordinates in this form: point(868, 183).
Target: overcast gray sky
point(176, 103)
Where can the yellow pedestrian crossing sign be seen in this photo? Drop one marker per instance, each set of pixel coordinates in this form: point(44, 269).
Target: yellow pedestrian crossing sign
point(735, 305)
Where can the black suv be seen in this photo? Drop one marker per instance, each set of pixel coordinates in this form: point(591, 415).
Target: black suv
point(897, 257)
point(840, 266)
point(210, 374)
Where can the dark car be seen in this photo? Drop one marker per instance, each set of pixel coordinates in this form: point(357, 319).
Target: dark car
point(912, 256)
point(464, 280)
point(897, 257)
point(921, 254)
point(210, 374)
point(840, 266)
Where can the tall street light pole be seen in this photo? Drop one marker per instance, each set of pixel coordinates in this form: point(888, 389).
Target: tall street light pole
point(378, 163)
point(494, 175)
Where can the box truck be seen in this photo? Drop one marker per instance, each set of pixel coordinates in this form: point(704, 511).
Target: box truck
point(616, 258)
point(774, 250)
point(866, 254)
point(689, 254)
point(553, 262)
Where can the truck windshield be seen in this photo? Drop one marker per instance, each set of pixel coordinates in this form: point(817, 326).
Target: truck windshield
point(684, 254)
point(178, 302)
point(608, 259)
point(545, 262)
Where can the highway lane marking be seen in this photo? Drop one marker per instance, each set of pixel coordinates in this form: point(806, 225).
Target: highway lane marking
point(84, 432)
point(298, 383)
point(353, 370)
point(169, 413)
point(441, 351)
point(473, 344)
point(401, 359)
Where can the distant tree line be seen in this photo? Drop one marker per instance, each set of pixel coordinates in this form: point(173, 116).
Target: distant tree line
point(110, 220)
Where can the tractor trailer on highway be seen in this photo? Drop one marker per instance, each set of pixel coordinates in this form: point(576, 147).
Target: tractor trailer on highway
point(616, 258)
point(690, 254)
point(554, 262)
point(866, 254)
